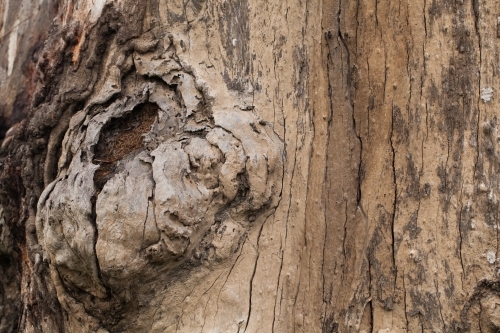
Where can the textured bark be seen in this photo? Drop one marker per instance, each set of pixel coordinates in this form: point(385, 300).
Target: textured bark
point(250, 166)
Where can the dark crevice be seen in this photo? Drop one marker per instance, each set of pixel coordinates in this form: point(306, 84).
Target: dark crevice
point(351, 101)
point(395, 199)
point(328, 37)
point(120, 137)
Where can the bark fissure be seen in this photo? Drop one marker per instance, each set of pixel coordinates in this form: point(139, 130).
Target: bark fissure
point(395, 200)
point(251, 280)
point(405, 300)
point(327, 36)
point(277, 289)
point(228, 275)
point(460, 234)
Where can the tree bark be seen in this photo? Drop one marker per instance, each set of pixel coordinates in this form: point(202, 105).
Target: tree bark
point(249, 166)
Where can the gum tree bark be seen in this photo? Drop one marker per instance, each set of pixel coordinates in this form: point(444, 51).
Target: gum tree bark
point(249, 166)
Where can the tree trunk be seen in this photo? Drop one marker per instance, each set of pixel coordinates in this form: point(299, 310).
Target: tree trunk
point(249, 166)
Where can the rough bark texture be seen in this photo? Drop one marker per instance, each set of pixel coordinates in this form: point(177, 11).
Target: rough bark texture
point(250, 166)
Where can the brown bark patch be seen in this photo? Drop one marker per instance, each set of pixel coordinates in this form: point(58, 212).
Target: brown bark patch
point(120, 137)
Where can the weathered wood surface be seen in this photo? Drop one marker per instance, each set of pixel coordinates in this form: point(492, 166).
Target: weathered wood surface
point(363, 136)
